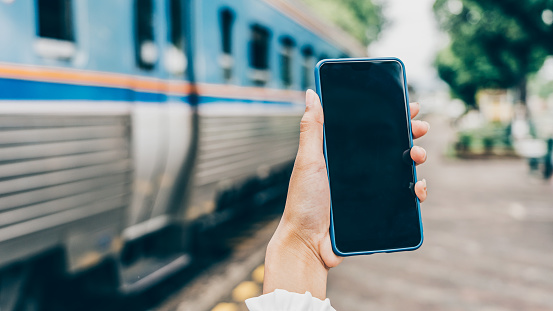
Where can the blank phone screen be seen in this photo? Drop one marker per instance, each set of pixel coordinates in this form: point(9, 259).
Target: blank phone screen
point(366, 133)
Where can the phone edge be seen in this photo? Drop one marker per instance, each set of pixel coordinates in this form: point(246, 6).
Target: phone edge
point(408, 111)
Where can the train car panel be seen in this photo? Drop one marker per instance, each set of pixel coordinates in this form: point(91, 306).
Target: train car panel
point(54, 170)
point(252, 66)
point(18, 28)
point(41, 82)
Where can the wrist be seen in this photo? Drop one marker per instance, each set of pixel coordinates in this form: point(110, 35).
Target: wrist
point(289, 238)
point(294, 264)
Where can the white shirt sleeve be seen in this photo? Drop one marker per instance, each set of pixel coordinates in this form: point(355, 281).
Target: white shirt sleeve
point(281, 300)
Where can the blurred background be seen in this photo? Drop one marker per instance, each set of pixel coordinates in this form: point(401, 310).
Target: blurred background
point(146, 148)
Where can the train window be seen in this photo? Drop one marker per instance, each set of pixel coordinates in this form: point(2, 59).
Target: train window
point(226, 19)
point(145, 49)
point(307, 67)
point(55, 19)
point(259, 54)
point(174, 59)
point(176, 34)
point(56, 38)
point(286, 54)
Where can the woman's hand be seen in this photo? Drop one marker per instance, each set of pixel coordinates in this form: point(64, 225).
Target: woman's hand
point(300, 253)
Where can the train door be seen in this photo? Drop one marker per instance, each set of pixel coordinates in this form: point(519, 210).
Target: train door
point(163, 118)
point(162, 131)
point(177, 112)
point(149, 131)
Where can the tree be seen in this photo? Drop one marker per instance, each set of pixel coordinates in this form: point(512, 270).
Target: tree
point(362, 19)
point(536, 16)
point(454, 72)
point(488, 49)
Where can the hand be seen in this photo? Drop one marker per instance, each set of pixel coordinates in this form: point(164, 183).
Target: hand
point(300, 253)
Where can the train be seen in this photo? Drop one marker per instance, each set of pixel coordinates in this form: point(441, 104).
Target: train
point(125, 123)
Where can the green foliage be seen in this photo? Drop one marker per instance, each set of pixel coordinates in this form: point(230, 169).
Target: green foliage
point(362, 19)
point(492, 137)
point(528, 14)
point(453, 70)
point(541, 87)
point(488, 48)
point(545, 89)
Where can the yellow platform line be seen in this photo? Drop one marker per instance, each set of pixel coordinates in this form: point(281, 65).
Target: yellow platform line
point(245, 290)
point(225, 306)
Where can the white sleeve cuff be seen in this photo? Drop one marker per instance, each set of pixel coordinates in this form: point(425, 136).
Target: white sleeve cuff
point(281, 300)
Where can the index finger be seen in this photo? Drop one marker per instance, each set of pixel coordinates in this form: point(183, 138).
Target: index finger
point(414, 108)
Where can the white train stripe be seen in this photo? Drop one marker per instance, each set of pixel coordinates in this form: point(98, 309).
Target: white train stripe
point(65, 107)
point(246, 109)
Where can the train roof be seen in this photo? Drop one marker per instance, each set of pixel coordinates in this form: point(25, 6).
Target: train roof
point(305, 16)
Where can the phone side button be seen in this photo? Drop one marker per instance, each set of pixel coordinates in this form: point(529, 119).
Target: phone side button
point(407, 157)
point(412, 187)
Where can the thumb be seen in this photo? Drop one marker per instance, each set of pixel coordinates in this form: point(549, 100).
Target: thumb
point(311, 130)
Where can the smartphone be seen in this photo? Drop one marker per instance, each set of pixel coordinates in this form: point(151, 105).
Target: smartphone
point(367, 139)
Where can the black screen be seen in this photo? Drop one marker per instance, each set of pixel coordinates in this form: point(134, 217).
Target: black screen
point(366, 132)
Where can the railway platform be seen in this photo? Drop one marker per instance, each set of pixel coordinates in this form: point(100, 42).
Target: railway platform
point(488, 246)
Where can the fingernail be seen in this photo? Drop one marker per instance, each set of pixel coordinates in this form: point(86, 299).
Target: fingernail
point(308, 97)
point(314, 98)
point(424, 182)
point(421, 150)
point(427, 125)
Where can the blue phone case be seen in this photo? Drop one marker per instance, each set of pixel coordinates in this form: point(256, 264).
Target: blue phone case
point(318, 86)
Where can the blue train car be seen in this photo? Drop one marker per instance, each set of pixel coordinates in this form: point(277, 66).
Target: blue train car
point(124, 122)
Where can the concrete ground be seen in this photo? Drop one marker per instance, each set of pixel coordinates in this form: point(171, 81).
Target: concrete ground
point(488, 229)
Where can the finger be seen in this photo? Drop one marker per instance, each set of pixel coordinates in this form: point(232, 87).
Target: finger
point(418, 154)
point(414, 108)
point(419, 128)
point(420, 190)
point(311, 129)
